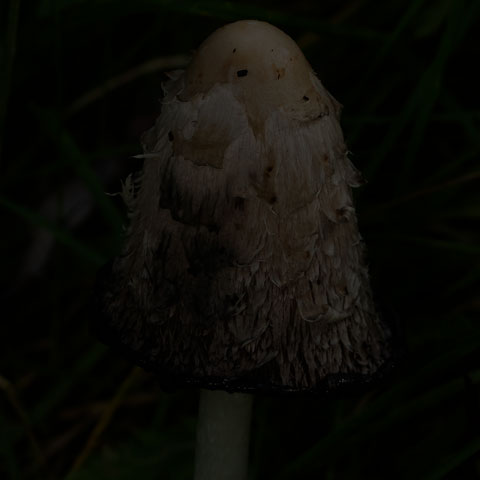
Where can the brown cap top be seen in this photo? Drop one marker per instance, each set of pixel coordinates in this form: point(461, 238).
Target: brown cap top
point(262, 65)
point(243, 266)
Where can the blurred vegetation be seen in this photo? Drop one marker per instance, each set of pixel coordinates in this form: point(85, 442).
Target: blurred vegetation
point(79, 83)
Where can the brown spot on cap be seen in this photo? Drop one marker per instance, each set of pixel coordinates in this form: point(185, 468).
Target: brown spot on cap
point(280, 73)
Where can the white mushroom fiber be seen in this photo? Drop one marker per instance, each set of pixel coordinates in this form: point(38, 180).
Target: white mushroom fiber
point(243, 265)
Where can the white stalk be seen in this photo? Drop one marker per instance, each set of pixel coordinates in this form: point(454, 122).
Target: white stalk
point(223, 433)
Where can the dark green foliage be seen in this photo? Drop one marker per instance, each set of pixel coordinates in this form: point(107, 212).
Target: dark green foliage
point(405, 73)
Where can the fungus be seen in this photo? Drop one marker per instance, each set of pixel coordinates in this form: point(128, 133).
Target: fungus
point(243, 266)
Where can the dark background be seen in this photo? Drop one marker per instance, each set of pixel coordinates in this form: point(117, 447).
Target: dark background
point(80, 81)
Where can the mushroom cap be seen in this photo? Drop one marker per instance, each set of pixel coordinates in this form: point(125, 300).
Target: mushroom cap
point(243, 266)
point(263, 65)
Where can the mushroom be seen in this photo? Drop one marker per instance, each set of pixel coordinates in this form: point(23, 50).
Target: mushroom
point(243, 266)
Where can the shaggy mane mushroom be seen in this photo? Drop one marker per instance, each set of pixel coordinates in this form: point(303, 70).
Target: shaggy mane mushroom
point(243, 268)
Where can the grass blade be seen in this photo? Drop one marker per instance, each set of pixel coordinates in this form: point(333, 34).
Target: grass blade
point(433, 79)
point(62, 388)
point(61, 235)
point(357, 428)
point(70, 153)
point(7, 69)
point(106, 417)
point(447, 465)
point(231, 11)
point(389, 43)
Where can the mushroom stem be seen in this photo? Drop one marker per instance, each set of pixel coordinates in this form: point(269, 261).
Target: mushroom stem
point(223, 433)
